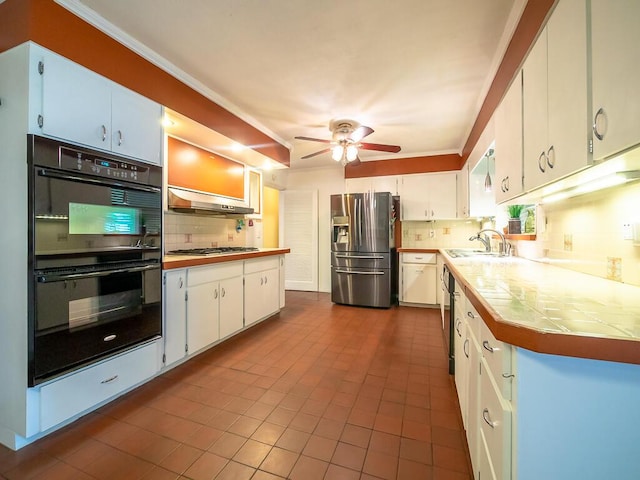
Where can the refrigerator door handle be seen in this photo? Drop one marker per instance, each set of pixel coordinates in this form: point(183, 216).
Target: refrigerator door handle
point(359, 273)
point(366, 257)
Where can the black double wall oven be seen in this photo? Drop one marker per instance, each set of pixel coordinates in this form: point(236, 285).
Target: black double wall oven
point(94, 256)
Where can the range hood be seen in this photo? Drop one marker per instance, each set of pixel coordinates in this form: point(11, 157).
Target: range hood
point(186, 201)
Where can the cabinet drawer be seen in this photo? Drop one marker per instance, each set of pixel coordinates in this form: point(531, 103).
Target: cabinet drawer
point(495, 424)
point(200, 275)
point(419, 258)
point(261, 264)
point(498, 356)
point(69, 396)
point(473, 319)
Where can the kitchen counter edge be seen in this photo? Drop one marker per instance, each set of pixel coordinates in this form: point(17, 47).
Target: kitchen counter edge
point(565, 344)
point(170, 262)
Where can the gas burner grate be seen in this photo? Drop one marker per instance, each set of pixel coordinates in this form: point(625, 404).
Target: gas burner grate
point(212, 250)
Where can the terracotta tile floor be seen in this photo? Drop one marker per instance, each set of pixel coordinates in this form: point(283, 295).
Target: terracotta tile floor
point(320, 391)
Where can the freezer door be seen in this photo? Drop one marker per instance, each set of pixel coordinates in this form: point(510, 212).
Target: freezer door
point(362, 287)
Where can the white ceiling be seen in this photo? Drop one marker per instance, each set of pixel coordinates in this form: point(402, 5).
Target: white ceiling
point(416, 71)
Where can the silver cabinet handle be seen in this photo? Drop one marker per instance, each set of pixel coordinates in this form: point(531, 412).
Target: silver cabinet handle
point(487, 418)
point(265, 280)
point(465, 347)
point(110, 379)
point(261, 280)
point(551, 157)
point(104, 133)
point(541, 162)
point(487, 347)
point(600, 128)
point(215, 293)
point(180, 283)
point(470, 314)
point(120, 137)
point(458, 323)
point(223, 292)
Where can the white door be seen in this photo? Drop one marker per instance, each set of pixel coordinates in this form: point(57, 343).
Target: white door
point(299, 232)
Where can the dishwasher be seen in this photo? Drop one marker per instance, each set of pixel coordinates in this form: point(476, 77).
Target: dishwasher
point(449, 283)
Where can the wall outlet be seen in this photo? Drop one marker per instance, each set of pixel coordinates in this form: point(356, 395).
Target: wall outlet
point(187, 238)
point(432, 234)
point(627, 231)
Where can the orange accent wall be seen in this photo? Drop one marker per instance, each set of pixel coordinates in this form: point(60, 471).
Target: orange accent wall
point(270, 217)
point(198, 169)
point(50, 25)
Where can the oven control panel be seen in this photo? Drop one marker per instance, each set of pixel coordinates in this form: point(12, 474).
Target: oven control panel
point(92, 164)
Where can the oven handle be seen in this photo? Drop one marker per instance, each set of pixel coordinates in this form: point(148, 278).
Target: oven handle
point(43, 172)
point(104, 273)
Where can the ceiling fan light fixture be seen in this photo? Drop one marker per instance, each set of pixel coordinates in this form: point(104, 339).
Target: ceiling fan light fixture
point(337, 152)
point(352, 153)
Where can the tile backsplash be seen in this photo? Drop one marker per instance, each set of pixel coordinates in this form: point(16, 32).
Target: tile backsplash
point(587, 234)
point(440, 234)
point(201, 231)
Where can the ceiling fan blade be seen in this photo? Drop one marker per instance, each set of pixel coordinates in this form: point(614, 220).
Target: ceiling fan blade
point(380, 147)
point(354, 163)
point(314, 139)
point(361, 132)
point(324, 150)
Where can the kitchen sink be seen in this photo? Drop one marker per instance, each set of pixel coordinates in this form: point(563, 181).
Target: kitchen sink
point(466, 252)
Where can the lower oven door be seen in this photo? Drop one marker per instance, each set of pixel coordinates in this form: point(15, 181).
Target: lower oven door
point(80, 318)
point(360, 286)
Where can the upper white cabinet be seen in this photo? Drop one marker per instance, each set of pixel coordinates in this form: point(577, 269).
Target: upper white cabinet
point(83, 107)
point(508, 147)
point(462, 189)
point(615, 64)
point(555, 132)
point(385, 183)
point(428, 196)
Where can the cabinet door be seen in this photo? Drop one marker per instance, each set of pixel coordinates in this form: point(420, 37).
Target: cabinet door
point(508, 148)
point(282, 291)
point(414, 203)
point(534, 114)
point(442, 195)
point(419, 283)
point(203, 326)
point(76, 103)
point(462, 189)
point(175, 316)
point(461, 365)
point(253, 308)
point(358, 185)
point(472, 349)
point(231, 306)
point(386, 183)
point(271, 291)
point(136, 125)
point(615, 37)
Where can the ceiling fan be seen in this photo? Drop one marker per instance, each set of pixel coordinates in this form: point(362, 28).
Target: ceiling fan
point(346, 140)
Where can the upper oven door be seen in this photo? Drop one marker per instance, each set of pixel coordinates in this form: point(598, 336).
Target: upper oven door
point(76, 213)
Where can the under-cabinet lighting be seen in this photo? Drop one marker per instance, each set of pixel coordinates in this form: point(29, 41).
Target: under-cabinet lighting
point(608, 181)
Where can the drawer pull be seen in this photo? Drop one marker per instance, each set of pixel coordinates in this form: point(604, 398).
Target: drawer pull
point(487, 418)
point(488, 347)
point(465, 348)
point(108, 338)
point(508, 375)
point(110, 379)
point(470, 315)
point(458, 323)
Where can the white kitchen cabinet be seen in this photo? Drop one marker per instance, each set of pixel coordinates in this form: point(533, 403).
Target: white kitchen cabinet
point(385, 183)
point(428, 196)
point(508, 147)
point(214, 303)
point(83, 107)
point(462, 191)
point(175, 315)
point(261, 289)
point(555, 134)
point(615, 67)
point(418, 282)
point(71, 395)
point(461, 363)
point(282, 277)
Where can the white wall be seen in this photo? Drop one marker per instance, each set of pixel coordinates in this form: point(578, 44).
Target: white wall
point(326, 181)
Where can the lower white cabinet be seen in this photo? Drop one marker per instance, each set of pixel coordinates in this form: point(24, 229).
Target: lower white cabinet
point(418, 278)
point(261, 289)
point(282, 274)
point(67, 397)
point(214, 303)
point(174, 315)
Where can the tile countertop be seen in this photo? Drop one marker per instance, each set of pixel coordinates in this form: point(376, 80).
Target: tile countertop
point(548, 309)
point(181, 261)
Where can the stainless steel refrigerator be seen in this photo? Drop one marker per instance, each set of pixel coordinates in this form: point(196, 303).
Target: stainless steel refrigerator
point(363, 257)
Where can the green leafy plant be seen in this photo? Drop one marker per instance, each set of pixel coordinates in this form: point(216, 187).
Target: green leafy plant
point(515, 210)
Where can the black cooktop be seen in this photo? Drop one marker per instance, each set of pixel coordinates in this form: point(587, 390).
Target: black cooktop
point(212, 250)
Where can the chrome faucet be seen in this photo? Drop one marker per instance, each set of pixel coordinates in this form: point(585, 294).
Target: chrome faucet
point(505, 247)
point(483, 239)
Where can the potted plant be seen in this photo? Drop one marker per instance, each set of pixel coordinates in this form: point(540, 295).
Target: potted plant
point(515, 226)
